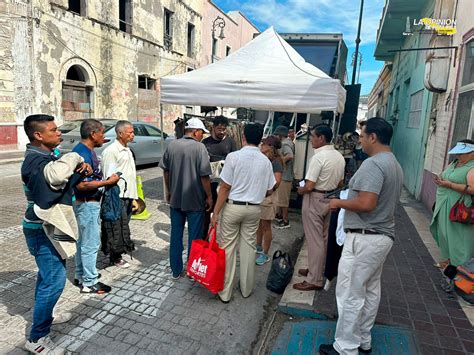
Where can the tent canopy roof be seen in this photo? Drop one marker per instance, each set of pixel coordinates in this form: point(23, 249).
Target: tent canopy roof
point(266, 74)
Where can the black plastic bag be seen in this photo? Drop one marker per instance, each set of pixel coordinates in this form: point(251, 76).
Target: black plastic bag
point(281, 272)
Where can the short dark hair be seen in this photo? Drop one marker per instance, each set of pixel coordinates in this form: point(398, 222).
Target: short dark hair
point(90, 126)
point(323, 130)
point(220, 120)
point(380, 127)
point(35, 123)
point(253, 133)
point(120, 124)
point(468, 141)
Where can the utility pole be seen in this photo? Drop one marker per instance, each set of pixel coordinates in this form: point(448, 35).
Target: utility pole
point(357, 41)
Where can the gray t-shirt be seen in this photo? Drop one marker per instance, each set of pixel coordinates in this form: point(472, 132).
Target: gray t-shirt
point(287, 149)
point(187, 161)
point(380, 174)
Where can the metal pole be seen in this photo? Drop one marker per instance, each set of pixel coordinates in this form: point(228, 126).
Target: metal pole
point(357, 41)
point(162, 146)
point(308, 132)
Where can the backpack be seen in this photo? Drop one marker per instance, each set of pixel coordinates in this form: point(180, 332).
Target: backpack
point(111, 207)
point(464, 281)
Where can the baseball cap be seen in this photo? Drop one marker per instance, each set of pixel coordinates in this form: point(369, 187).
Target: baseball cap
point(462, 148)
point(281, 131)
point(195, 123)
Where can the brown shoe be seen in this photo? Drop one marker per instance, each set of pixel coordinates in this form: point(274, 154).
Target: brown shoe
point(304, 286)
point(303, 272)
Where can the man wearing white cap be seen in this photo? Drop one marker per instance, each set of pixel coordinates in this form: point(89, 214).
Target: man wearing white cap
point(186, 171)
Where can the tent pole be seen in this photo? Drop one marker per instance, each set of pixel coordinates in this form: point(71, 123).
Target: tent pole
point(334, 123)
point(295, 115)
point(308, 132)
point(162, 147)
point(338, 122)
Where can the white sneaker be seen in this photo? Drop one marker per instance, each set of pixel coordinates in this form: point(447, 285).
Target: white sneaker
point(122, 264)
point(44, 346)
point(62, 317)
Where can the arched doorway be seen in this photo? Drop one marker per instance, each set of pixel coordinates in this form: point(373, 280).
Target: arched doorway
point(77, 94)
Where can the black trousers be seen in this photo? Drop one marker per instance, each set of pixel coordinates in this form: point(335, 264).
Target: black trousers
point(334, 250)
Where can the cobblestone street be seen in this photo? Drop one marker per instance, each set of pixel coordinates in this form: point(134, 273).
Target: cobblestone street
point(147, 312)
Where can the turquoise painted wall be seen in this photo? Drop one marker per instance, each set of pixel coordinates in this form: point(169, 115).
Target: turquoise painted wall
point(409, 140)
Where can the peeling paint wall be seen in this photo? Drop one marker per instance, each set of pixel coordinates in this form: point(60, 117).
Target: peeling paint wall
point(48, 40)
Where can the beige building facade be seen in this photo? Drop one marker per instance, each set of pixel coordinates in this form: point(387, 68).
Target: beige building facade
point(237, 31)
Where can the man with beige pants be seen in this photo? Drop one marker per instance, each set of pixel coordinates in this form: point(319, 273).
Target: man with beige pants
point(247, 177)
point(325, 172)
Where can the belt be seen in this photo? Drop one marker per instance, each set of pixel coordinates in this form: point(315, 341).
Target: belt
point(87, 199)
point(232, 202)
point(361, 231)
point(323, 192)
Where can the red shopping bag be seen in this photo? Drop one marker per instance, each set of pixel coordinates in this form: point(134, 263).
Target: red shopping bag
point(206, 263)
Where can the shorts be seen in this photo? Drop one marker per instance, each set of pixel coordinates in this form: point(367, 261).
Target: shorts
point(283, 194)
point(268, 209)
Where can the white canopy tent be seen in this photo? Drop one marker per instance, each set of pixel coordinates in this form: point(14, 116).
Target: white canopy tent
point(266, 74)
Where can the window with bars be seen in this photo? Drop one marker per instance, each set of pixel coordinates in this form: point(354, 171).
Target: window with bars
point(416, 103)
point(464, 125)
point(145, 82)
point(190, 40)
point(168, 29)
point(125, 15)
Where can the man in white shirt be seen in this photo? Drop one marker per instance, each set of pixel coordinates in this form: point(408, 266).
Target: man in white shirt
point(325, 173)
point(117, 157)
point(247, 177)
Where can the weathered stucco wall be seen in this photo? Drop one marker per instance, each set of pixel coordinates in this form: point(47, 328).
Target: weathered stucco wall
point(46, 44)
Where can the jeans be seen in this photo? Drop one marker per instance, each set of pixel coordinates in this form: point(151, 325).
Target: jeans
point(87, 214)
point(195, 224)
point(49, 283)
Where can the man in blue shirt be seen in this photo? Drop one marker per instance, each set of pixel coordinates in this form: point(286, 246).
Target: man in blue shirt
point(48, 182)
point(87, 209)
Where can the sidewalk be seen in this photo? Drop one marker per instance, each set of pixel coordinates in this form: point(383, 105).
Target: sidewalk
point(147, 312)
point(415, 316)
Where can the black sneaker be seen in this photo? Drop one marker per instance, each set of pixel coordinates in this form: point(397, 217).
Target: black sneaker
point(98, 288)
point(278, 218)
point(78, 283)
point(283, 225)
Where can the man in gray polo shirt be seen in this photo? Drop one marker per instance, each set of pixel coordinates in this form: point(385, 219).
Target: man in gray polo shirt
point(186, 171)
point(369, 223)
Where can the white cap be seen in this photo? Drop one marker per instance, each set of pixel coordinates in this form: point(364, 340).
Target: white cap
point(195, 123)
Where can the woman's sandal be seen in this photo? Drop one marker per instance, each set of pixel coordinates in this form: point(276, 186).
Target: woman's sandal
point(442, 264)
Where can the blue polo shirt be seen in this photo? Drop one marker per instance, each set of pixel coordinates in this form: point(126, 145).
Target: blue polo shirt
point(90, 157)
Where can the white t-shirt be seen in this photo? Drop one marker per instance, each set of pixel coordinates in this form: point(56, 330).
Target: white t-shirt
point(250, 175)
point(116, 158)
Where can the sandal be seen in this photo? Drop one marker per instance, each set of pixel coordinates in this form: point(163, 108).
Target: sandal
point(442, 264)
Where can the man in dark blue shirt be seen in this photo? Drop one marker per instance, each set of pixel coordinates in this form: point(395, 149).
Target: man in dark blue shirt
point(48, 183)
point(87, 209)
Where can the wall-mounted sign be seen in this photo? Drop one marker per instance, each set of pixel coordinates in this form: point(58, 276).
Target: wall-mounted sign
point(442, 27)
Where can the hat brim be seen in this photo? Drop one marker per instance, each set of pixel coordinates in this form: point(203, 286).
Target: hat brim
point(141, 206)
point(460, 150)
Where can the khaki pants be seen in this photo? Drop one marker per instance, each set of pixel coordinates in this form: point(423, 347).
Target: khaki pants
point(316, 215)
point(238, 227)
